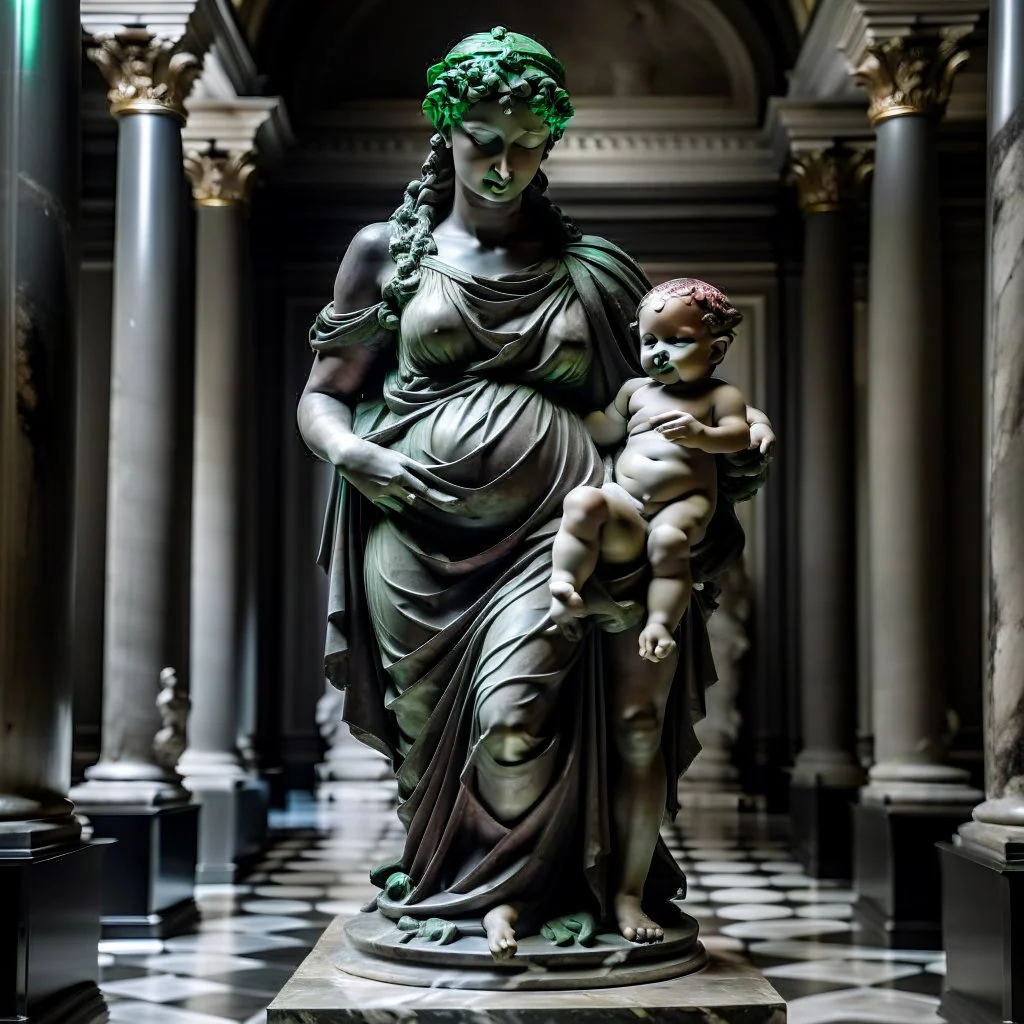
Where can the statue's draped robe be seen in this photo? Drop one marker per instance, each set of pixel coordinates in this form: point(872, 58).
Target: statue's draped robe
point(437, 615)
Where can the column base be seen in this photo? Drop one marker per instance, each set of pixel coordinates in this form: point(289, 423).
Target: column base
point(720, 800)
point(149, 874)
point(253, 813)
point(49, 931)
point(983, 933)
point(822, 823)
point(232, 828)
point(896, 870)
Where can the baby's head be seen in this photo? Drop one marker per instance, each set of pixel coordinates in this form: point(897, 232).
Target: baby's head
point(685, 328)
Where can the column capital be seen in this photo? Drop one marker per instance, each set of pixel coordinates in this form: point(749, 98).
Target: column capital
point(912, 75)
point(222, 141)
point(828, 179)
point(220, 179)
point(146, 72)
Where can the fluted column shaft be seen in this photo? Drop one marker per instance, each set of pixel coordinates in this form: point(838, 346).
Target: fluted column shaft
point(147, 433)
point(826, 180)
point(906, 420)
point(39, 191)
point(218, 533)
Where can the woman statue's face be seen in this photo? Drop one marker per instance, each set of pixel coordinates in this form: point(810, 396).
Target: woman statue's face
point(496, 155)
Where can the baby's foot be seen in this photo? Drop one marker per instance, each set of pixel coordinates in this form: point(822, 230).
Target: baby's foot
point(567, 608)
point(633, 923)
point(656, 642)
point(499, 924)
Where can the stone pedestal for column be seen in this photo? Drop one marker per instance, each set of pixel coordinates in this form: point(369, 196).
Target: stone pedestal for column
point(712, 781)
point(219, 162)
point(49, 878)
point(983, 870)
point(149, 76)
point(827, 776)
point(909, 782)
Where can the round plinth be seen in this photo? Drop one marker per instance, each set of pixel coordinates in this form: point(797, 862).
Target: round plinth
point(375, 951)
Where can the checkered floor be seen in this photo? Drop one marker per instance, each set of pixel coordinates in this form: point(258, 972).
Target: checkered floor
point(752, 900)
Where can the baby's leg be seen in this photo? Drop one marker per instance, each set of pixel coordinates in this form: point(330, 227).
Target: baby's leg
point(674, 531)
point(596, 522)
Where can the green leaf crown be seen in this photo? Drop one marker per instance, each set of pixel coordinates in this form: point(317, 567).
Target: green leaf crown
point(500, 65)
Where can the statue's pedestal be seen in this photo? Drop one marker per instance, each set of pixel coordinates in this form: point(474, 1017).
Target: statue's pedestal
point(320, 993)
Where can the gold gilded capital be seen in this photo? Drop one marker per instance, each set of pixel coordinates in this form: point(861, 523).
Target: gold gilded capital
point(828, 179)
point(912, 75)
point(220, 179)
point(146, 73)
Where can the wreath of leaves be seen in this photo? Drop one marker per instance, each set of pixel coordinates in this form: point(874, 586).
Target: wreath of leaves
point(505, 76)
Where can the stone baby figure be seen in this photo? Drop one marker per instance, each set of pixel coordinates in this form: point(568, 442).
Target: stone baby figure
point(665, 486)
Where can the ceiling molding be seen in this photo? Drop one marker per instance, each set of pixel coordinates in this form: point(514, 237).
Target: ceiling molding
point(842, 30)
point(649, 141)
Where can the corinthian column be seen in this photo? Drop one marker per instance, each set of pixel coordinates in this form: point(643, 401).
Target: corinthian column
point(983, 873)
point(149, 77)
point(826, 776)
point(220, 164)
point(913, 798)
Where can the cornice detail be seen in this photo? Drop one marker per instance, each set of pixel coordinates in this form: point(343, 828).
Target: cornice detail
point(828, 180)
point(146, 72)
point(912, 75)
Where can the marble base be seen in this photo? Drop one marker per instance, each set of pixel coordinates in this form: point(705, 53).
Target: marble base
point(727, 800)
point(231, 833)
point(376, 950)
point(320, 993)
point(49, 930)
point(822, 822)
point(252, 819)
point(149, 873)
point(896, 871)
point(983, 934)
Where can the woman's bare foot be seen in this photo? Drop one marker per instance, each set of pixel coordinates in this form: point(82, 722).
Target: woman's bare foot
point(656, 642)
point(499, 924)
point(633, 923)
point(567, 608)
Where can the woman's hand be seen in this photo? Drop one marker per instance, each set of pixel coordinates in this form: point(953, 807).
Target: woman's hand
point(387, 478)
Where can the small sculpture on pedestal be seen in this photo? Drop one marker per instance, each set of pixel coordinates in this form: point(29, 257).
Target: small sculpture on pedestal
point(173, 704)
point(467, 339)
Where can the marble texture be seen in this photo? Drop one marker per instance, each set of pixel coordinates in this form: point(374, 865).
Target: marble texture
point(1004, 735)
point(319, 993)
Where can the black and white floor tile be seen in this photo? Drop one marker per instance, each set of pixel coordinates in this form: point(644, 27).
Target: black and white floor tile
point(753, 902)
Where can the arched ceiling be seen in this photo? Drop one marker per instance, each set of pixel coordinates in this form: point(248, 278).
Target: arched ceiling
point(325, 55)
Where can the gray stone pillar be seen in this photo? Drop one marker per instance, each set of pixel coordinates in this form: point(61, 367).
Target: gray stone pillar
point(983, 871)
point(913, 798)
point(827, 775)
point(220, 170)
point(38, 297)
point(713, 781)
point(905, 453)
point(146, 432)
point(49, 958)
point(133, 793)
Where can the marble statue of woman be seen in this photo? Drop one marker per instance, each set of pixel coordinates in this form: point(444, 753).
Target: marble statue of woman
point(465, 339)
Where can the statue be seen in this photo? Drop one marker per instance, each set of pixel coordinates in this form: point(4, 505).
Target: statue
point(467, 339)
point(173, 704)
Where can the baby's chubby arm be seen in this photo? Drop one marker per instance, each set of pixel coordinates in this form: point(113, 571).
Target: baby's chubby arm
point(730, 432)
point(608, 427)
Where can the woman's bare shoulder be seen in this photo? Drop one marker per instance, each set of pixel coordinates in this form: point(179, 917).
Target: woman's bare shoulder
point(363, 268)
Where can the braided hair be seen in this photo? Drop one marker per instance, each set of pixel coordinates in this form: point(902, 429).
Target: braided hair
point(498, 67)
